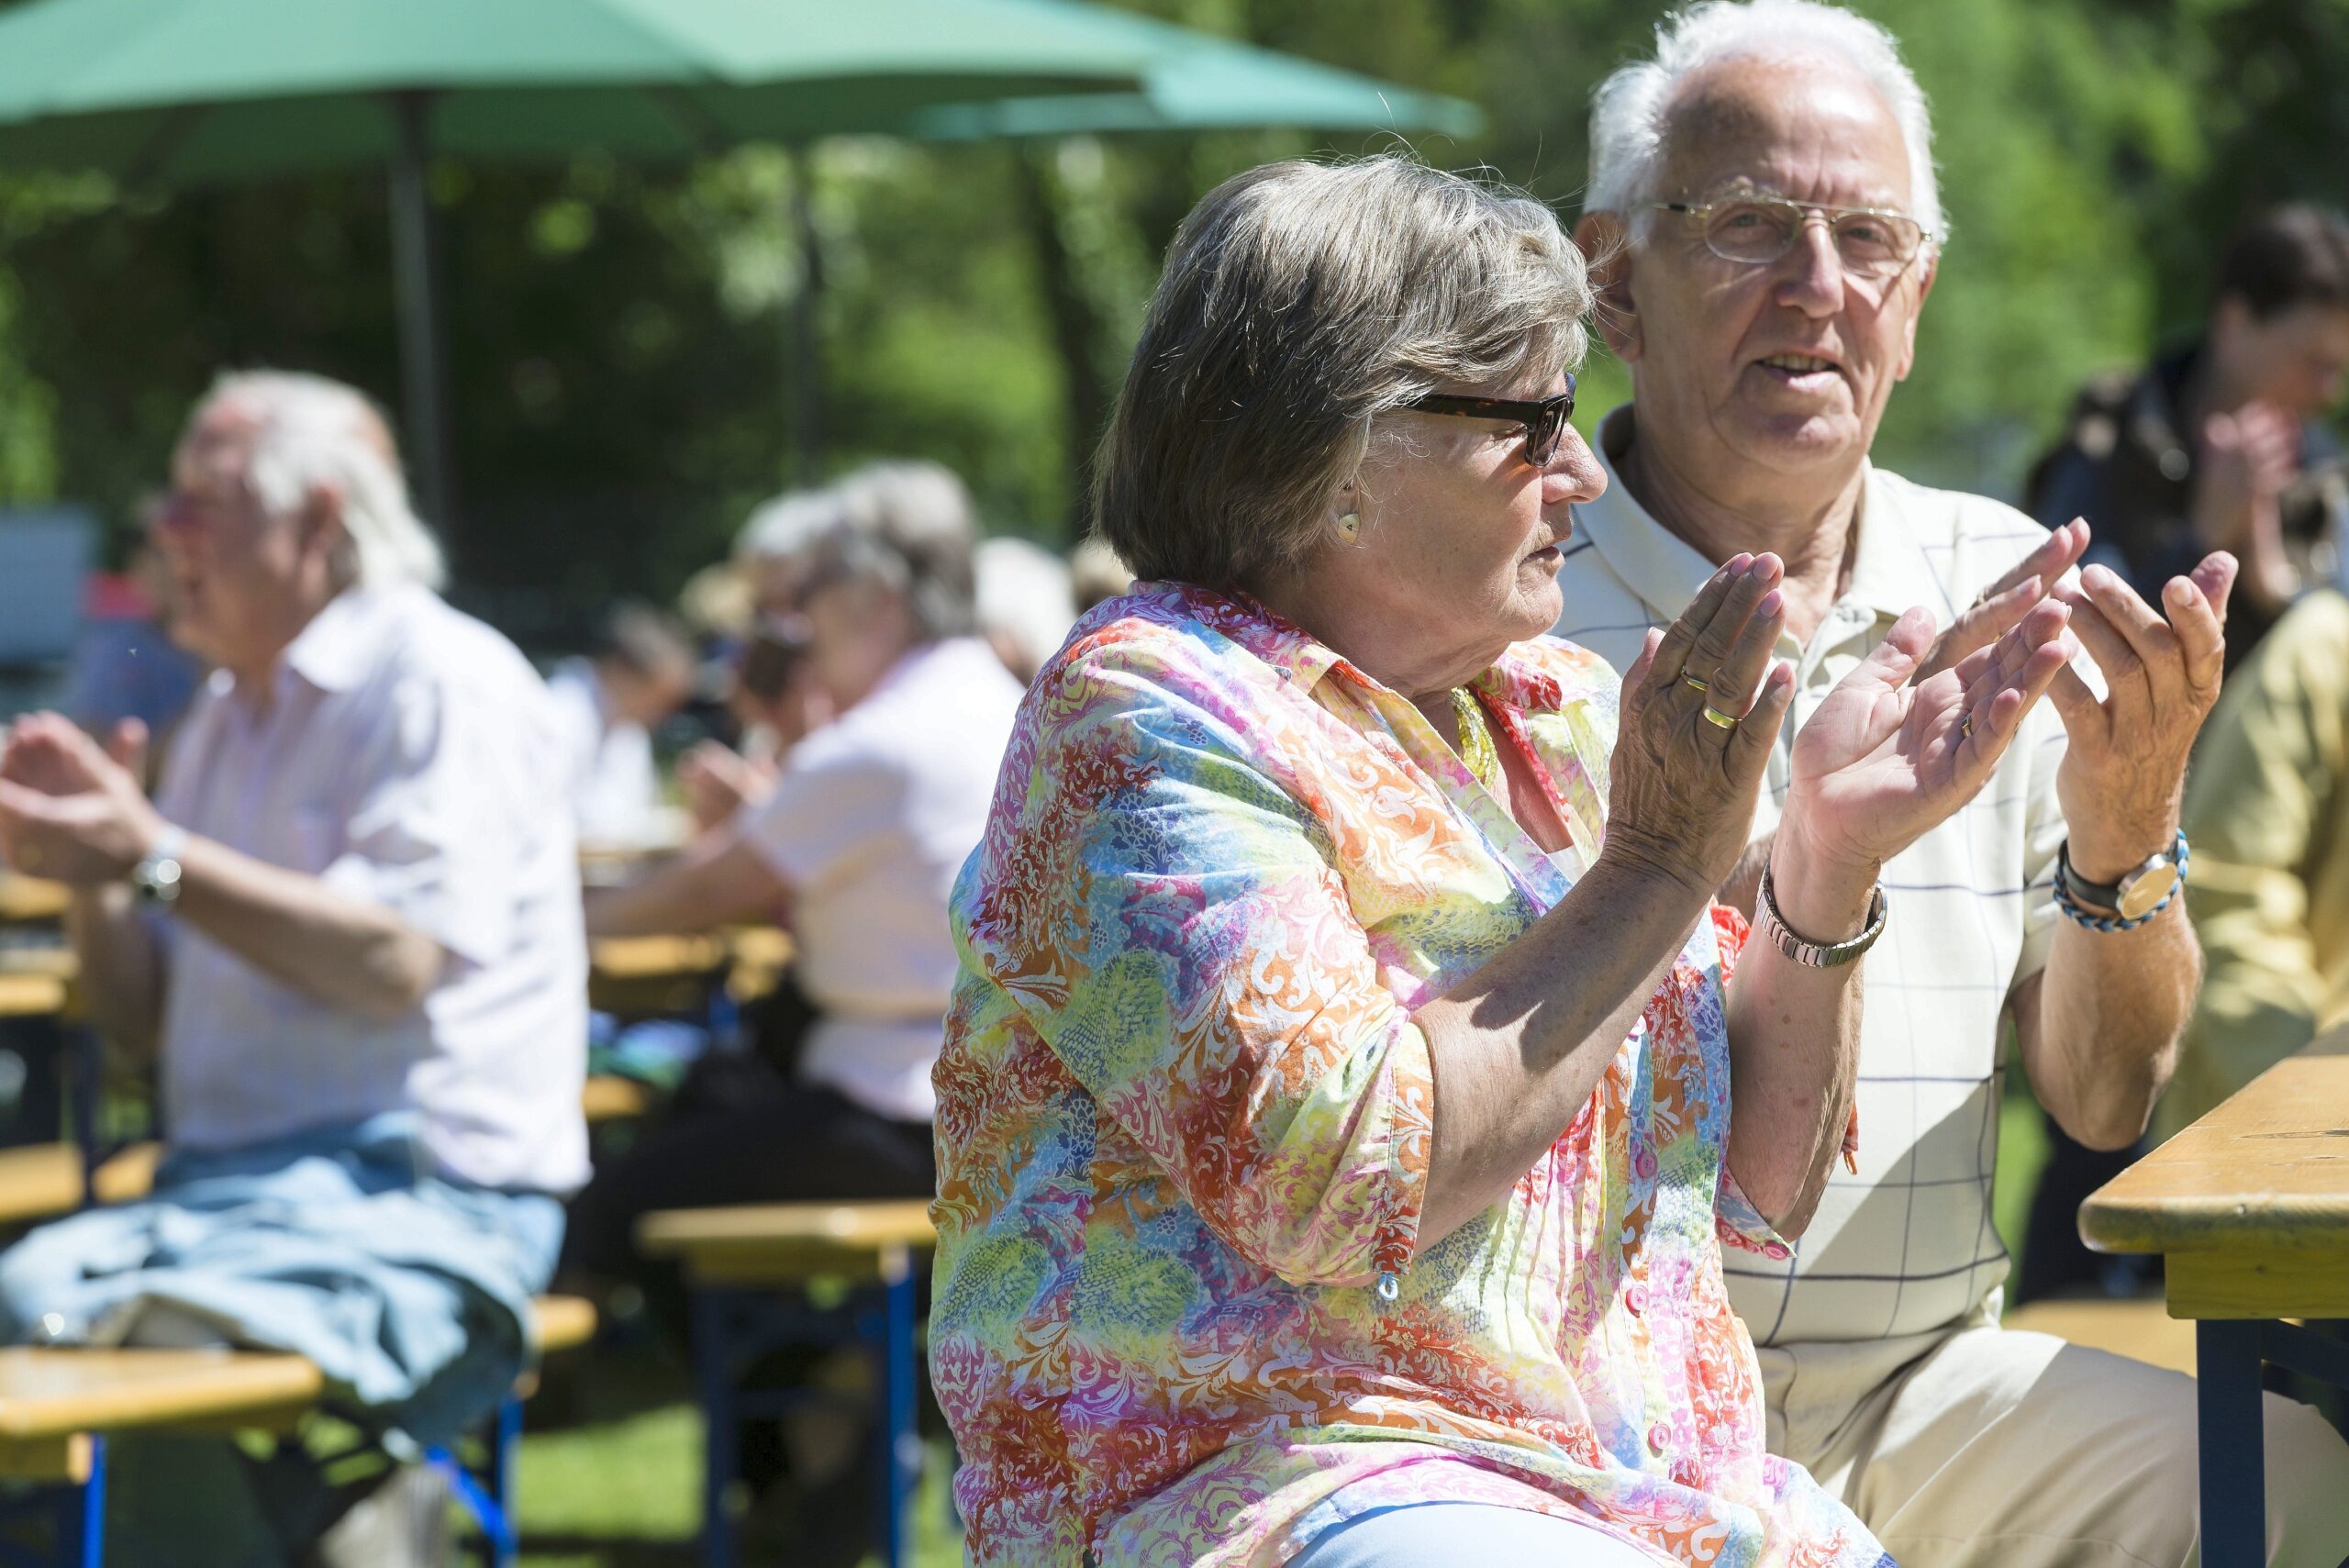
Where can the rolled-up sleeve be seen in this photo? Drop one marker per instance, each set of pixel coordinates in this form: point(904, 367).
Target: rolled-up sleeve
point(1176, 926)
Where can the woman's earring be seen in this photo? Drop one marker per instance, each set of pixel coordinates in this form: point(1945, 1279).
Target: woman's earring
point(1351, 525)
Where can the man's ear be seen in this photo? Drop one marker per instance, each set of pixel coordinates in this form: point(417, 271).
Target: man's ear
point(324, 537)
point(1931, 268)
point(1606, 245)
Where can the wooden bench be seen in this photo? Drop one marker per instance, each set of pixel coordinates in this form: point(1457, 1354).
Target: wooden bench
point(43, 1181)
point(746, 1267)
point(59, 1405)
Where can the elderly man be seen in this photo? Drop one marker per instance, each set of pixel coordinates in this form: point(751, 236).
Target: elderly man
point(349, 924)
point(1764, 204)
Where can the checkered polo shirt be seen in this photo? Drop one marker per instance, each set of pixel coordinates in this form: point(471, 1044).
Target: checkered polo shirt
point(1907, 1245)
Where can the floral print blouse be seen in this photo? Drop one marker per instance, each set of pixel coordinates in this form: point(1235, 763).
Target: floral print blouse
point(1184, 1118)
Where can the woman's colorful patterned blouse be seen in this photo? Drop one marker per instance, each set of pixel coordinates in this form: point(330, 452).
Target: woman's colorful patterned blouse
point(1181, 1315)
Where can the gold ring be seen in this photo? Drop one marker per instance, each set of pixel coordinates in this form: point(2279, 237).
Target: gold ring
point(1966, 728)
point(1696, 681)
point(1719, 719)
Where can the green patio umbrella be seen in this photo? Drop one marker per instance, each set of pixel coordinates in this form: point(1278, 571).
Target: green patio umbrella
point(191, 91)
point(185, 91)
point(1195, 81)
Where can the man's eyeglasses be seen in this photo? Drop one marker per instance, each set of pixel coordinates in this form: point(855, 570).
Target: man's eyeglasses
point(1870, 242)
point(1543, 420)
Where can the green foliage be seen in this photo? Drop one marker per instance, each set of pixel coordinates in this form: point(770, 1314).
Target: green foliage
point(624, 341)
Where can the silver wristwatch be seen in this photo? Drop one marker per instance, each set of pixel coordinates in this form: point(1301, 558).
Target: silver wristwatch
point(1817, 955)
point(155, 879)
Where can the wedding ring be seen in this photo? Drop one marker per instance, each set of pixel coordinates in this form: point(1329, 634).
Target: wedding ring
point(1719, 719)
point(1966, 728)
point(1696, 681)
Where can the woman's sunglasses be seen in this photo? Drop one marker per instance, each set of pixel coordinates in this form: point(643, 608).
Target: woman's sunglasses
point(1544, 420)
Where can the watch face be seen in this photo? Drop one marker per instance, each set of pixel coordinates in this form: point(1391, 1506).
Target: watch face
point(2147, 889)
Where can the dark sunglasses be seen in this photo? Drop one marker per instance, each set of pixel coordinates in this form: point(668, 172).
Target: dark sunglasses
point(1544, 420)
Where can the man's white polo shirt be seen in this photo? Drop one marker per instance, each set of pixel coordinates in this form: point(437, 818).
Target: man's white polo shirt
point(1907, 1245)
point(406, 756)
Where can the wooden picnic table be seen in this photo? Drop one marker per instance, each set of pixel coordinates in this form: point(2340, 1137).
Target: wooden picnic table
point(2249, 1208)
point(645, 976)
point(744, 1263)
point(29, 900)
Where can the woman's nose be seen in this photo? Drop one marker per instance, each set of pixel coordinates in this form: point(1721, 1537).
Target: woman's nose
point(1574, 475)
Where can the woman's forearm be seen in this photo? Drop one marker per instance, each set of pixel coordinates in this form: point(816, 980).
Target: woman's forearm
point(1518, 1046)
point(716, 881)
point(1794, 1036)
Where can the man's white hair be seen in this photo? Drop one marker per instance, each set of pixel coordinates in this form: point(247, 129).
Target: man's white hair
point(1627, 114)
point(311, 434)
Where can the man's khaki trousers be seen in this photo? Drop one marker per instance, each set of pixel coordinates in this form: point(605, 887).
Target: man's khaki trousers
point(1990, 1448)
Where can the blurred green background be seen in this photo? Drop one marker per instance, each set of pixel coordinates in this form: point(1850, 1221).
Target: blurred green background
point(622, 337)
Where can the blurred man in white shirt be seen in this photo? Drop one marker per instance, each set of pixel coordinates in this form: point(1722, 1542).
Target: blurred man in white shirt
point(348, 925)
point(639, 672)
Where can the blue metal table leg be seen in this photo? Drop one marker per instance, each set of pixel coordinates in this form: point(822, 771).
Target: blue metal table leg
point(900, 1443)
point(82, 1514)
point(504, 1439)
point(721, 1432)
point(2234, 1466)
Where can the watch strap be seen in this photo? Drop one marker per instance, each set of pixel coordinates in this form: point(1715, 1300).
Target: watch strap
point(156, 878)
point(2110, 895)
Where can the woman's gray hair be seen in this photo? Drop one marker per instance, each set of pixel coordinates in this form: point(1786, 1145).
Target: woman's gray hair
point(312, 434)
point(909, 526)
point(1301, 302)
point(1629, 112)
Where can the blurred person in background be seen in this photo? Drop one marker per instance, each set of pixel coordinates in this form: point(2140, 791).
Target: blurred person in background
point(2268, 809)
point(637, 673)
point(860, 836)
point(348, 928)
point(1763, 201)
point(2220, 443)
point(1096, 573)
point(125, 666)
point(774, 702)
point(1026, 603)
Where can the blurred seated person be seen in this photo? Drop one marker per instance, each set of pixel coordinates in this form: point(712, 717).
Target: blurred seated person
point(2267, 812)
point(771, 552)
point(1097, 574)
point(2219, 443)
point(775, 703)
point(125, 665)
point(347, 927)
point(640, 671)
point(862, 833)
point(1026, 603)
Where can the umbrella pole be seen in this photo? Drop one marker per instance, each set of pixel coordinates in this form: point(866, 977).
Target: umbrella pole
point(807, 433)
point(423, 377)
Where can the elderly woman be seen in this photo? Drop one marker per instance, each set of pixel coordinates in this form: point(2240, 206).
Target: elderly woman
point(858, 834)
point(1346, 1094)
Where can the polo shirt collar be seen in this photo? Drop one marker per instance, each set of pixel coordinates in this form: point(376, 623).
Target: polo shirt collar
point(336, 650)
point(1304, 661)
point(1665, 570)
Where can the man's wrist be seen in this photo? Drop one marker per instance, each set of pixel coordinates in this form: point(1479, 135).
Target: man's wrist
point(1821, 898)
point(2103, 856)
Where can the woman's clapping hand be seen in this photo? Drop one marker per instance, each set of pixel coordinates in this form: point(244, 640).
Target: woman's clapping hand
point(1701, 707)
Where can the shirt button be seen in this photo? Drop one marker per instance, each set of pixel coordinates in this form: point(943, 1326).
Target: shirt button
point(1636, 1297)
point(1656, 1439)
